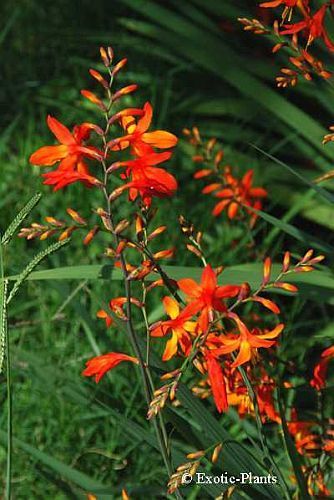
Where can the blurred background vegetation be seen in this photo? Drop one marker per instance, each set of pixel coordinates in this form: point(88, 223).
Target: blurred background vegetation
point(195, 64)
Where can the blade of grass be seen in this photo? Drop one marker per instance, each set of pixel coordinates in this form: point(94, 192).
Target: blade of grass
point(73, 475)
point(5, 351)
point(321, 191)
point(15, 224)
point(292, 452)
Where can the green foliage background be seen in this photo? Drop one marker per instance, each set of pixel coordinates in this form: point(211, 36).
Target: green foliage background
point(196, 66)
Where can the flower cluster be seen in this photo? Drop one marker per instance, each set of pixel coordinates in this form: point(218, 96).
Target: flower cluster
point(296, 38)
point(224, 333)
point(208, 332)
point(237, 196)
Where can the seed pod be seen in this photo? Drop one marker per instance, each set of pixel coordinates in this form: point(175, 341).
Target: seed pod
point(90, 235)
point(196, 454)
point(67, 233)
point(98, 77)
point(286, 286)
point(159, 230)
point(76, 217)
point(124, 91)
point(54, 222)
point(286, 262)
point(266, 271)
point(93, 98)
point(119, 66)
point(104, 57)
point(121, 226)
point(215, 454)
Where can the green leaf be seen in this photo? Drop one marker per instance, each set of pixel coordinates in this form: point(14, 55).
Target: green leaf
point(321, 191)
point(298, 234)
point(31, 266)
point(317, 285)
point(80, 479)
point(293, 454)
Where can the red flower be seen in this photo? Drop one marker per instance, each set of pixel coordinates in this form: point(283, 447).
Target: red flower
point(70, 152)
point(206, 296)
point(320, 370)
point(178, 325)
point(313, 26)
point(238, 193)
point(147, 181)
point(246, 341)
point(100, 365)
point(289, 6)
point(139, 139)
point(116, 307)
point(217, 381)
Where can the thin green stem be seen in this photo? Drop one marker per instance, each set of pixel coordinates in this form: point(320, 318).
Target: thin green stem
point(158, 424)
point(9, 408)
point(5, 347)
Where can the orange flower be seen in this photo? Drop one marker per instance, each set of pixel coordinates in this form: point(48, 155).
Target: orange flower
point(147, 181)
point(178, 326)
point(217, 381)
point(237, 193)
point(313, 26)
point(320, 370)
point(139, 139)
point(206, 296)
point(116, 307)
point(100, 365)
point(246, 341)
point(289, 6)
point(70, 152)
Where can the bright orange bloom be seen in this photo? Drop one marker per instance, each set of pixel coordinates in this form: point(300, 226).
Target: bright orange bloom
point(179, 326)
point(246, 341)
point(320, 370)
point(289, 5)
point(139, 139)
point(237, 193)
point(313, 26)
point(70, 152)
point(206, 296)
point(116, 307)
point(217, 381)
point(100, 365)
point(306, 440)
point(147, 181)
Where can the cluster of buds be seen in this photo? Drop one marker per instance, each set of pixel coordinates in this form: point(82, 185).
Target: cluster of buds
point(189, 468)
point(161, 395)
point(59, 228)
point(306, 65)
point(311, 26)
point(194, 237)
point(253, 26)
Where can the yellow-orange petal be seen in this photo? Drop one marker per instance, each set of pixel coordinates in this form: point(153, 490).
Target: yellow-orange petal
point(171, 348)
point(160, 139)
point(244, 354)
point(269, 304)
point(171, 307)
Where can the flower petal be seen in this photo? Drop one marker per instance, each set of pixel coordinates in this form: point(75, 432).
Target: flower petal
point(61, 132)
point(48, 155)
